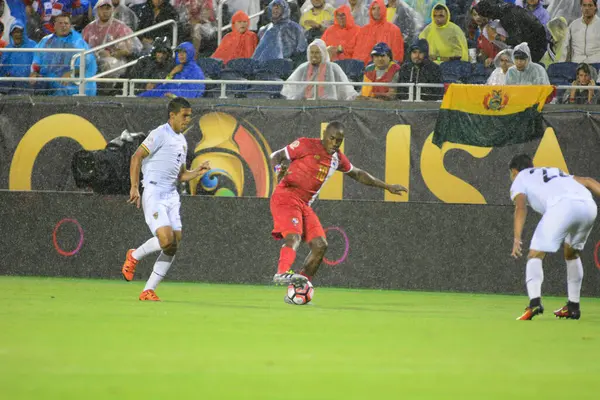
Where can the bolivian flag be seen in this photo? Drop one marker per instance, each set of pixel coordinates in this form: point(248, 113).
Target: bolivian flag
point(489, 116)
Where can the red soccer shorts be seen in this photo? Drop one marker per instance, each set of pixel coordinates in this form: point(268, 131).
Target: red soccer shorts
point(292, 215)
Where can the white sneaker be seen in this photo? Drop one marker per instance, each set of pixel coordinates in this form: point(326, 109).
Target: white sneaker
point(290, 278)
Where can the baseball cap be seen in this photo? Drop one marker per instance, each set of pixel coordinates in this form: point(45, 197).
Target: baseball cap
point(381, 49)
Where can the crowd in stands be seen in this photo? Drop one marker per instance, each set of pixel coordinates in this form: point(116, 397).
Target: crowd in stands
point(495, 42)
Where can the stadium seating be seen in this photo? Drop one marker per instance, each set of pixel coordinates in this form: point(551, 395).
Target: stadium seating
point(455, 71)
point(562, 73)
point(234, 90)
point(479, 75)
point(211, 67)
point(247, 67)
point(352, 68)
point(282, 68)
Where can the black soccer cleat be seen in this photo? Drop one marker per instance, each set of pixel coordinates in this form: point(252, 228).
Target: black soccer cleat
point(568, 311)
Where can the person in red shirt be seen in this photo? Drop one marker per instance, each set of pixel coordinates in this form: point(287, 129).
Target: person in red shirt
point(303, 168)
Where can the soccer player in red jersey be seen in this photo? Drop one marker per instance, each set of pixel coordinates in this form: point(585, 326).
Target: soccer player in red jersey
point(303, 168)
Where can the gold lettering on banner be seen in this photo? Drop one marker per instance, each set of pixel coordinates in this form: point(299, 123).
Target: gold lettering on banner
point(397, 160)
point(43, 132)
point(548, 153)
point(445, 186)
point(334, 187)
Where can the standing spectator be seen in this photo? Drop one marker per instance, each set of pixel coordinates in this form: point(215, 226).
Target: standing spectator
point(317, 18)
point(486, 49)
point(586, 76)
point(425, 8)
point(281, 38)
point(56, 65)
point(153, 12)
point(185, 68)
point(240, 42)
point(536, 7)
point(383, 69)
point(17, 65)
point(157, 65)
point(376, 31)
point(420, 69)
point(503, 61)
point(558, 32)
point(125, 14)
point(525, 72)
point(519, 23)
point(446, 40)
point(105, 29)
point(317, 69)
point(582, 43)
point(341, 37)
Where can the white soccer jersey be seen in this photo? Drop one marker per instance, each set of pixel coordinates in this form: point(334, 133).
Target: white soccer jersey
point(545, 187)
point(167, 151)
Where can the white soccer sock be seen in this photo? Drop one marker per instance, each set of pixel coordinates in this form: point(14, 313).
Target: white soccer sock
point(152, 245)
point(161, 266)
point(534, 276)
point(574, 279)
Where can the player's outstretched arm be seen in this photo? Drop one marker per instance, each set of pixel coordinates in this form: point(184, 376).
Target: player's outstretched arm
point(590, 183)
point(519, 223)
point(187, 175)
point(134, 175)
point(367, 179)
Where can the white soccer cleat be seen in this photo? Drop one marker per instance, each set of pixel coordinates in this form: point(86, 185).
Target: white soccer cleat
point(289, 278)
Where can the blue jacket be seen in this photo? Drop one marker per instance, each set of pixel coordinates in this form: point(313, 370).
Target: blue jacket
point(191, 70)
point(17, 64)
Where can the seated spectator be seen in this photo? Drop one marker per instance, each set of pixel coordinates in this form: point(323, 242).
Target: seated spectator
point(360, 11)
point(420, 69)
point(47, 10)
point(157, 65)
point(125, 14)
point(586, 76)
point(17, 65)
point(197, 17)
point(317, 18)
point(341, 37)
point(105, 28)
point(383, 69)
point(503, 61)
point(520, 24)
point(404, 17)
point(56, 65)
point(486, 49)
point(153, 12)
point(240, 42)
point(376, 31)
point(536, 7)
point(317, 69)
point(568, 9)
point(525, 72)
point(582, 43)
point(425, 8)
point(558, 32)
point(185, 68)
point(446, 40)
point(281, 38)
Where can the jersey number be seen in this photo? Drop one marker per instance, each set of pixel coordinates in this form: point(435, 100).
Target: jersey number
point(322, 174)
point(549, 178)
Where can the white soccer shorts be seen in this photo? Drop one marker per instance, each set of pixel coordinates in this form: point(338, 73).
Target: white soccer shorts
point(161, 209)
point(569, 221)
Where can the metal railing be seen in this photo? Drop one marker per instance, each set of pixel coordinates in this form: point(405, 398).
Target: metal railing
point(121, 39)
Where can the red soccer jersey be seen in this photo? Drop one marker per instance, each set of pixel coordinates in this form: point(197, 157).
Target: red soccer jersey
point(310, 167)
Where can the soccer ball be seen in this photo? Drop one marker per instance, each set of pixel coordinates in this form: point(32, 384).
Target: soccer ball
point(300, 295)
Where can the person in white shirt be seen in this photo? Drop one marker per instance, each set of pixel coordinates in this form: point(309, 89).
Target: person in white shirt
point(582, 43)
point(162, 160)
point(568, 214)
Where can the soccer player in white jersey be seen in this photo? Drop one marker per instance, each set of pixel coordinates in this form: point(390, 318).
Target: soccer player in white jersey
point(161, 158)
point(568, 214)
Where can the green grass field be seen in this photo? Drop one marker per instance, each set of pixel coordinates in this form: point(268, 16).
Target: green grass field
point(87, 339)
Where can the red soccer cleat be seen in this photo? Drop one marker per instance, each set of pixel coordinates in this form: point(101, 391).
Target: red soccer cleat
point(149, 295)
point(129, 265)
point(568, 312)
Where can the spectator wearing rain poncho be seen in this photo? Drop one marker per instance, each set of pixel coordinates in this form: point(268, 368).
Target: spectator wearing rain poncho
point(56, 65)
point(185, 68)
point(525, 72)
point(281, 38)
point(446, 40)
point(360, 11)
point(586, 76)
point(425, 8)
point(105, 28)
point(558, 31)
point(405, 18)
point(378, 30)
point(341, 37)
point(17, 65)
point(503, 61)
point(317, 69)
point(240, 42)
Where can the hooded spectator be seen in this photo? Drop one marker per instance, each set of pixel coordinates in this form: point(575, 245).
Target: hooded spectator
point(17, 64)
point(341, 37)
point(240, 42)
point(525, 72)
point(446, 40)
point(503, 61)
point(420, 69)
